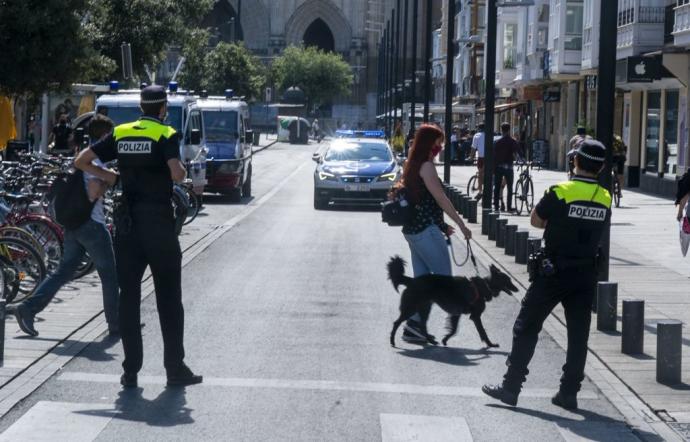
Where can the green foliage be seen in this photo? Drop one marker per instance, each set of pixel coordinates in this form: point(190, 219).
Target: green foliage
point(231, 65)
point(321, 75)
point(194, 50)
point(43, 46)
point(149, 26)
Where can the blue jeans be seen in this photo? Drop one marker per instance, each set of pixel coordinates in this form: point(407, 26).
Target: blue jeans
point(93, 238)
point(429, 255)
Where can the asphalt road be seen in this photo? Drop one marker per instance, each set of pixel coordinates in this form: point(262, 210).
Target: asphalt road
point(287, 317)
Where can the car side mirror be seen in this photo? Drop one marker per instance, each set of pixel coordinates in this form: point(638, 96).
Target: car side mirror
point(249, 136)
point(195, 138)
point(316, 157)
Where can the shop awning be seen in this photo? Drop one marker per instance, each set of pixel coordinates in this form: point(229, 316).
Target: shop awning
point(502, 107)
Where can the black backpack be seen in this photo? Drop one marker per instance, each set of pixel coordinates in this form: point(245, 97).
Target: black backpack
point(70, 200)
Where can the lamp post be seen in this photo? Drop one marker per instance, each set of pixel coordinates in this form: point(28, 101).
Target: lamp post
point(450, 55)
point(404, 56)
point(413, 68)
point(427, 59)
point(396, 79)
point(389, 76)
point(605, 102)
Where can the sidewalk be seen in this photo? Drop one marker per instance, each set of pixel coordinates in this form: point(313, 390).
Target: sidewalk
point(647, 264)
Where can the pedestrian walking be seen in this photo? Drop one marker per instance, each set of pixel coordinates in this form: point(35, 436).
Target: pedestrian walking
point(398, 139)
point(454, 143)
point(91, 237)
point(506, 149)
point(426, 232)
point(148, 157)
point(61, 137)
point(573, 214)
point(465, 146)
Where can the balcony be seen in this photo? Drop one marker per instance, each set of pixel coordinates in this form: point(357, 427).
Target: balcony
point(681, 28)
point(640, 30)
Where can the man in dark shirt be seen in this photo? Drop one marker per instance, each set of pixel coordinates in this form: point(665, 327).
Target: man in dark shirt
point(505, 150)
point(60, 137)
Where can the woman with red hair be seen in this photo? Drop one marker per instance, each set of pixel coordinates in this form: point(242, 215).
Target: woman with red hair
point(426, 231)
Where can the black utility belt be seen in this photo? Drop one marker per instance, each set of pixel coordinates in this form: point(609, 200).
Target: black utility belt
point(540, 264)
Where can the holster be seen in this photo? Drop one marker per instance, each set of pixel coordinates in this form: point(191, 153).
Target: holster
point(539, 264)
point(122, 217)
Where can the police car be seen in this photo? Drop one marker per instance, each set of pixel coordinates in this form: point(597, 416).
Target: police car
point(228, 140)
point(355, 171)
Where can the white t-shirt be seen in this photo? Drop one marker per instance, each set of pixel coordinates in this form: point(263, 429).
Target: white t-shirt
point(453, 138)
point(478, 144)
point(97, 213)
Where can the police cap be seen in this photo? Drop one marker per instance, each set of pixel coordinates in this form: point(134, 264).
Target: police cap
point(592, 150)
point(153, 94)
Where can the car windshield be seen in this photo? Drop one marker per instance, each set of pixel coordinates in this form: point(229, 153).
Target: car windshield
point(221, 126)
point(358, 152)
point(121, 115)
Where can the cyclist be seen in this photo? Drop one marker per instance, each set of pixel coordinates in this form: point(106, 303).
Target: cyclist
point(506, 149)
point(575, 141)
point(478, 148)
point(620, 151)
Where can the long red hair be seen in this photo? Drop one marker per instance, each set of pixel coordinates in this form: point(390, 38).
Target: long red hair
point(424, 141)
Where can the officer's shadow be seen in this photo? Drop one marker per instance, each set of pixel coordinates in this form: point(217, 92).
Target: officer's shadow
point(168, 409)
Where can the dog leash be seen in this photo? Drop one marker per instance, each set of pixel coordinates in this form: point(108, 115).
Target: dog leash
point(469, 256)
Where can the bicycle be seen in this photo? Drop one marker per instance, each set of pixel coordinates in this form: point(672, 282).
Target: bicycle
point(616, 188)
point(473, 183)
point(524, 188)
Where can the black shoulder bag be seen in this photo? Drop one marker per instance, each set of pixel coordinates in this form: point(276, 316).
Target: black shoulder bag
point(397, 212)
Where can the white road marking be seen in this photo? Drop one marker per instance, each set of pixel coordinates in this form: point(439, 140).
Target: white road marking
point(56, 421)
point(585, 431)
point(408, 428)
point(294, 384)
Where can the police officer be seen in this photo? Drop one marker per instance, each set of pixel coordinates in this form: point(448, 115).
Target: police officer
point(573, 214)
point(148, 157)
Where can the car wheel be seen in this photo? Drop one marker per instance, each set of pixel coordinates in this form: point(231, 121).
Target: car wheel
point(319, 203)
point(247, 186)
point(235, 195)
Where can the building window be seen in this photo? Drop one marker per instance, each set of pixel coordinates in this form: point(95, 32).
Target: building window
point(574, 14)
point(653, 131)
point(509, 53)
point(671, 133)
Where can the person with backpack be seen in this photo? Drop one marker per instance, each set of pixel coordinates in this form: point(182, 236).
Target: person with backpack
point(78, 200)
point(620, 153)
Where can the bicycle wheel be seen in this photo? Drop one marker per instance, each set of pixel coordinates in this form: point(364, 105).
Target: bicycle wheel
point(519, 197)
point(194, 206)
point(19, 233)
point(472, 186)
point(48, 236)
point(85, 267)
point(180, 208)
point(616, 192)
point(528, 194)
point(22, 268)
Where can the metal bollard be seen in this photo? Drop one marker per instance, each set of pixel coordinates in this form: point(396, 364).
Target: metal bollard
point(632, 342)
point(463, 205)
point(501, 232)
point(455, 199)
point(669, 351)
point(521, 238)
point(472, 209)
point(485, 221)
point(607, 306)
point(493, 217)
point(3, 312)
point(509, 244)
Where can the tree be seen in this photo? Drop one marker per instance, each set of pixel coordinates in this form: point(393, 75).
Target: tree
point(194, 50)
point(232, 66)
point(321, 75)
point(43, 45)
point(149, 26)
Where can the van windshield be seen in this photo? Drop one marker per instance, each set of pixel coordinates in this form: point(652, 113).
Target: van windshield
point(121, 115)
point(221, 126)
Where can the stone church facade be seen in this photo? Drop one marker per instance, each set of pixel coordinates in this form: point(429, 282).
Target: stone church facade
point(349, 27)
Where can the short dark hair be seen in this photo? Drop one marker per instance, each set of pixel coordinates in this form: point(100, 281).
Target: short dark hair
point(505, 127)
point(152, 109)
point(581, 130)
point(480, 126)
point(99, 126)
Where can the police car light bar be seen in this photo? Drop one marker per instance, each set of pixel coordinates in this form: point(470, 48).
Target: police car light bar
point(172, 87)
point(229, 93)
point(114, 86)
point(143, 84)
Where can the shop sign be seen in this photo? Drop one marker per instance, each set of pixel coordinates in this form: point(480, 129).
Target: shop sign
point(532, 93)
point(552, 96)
point(591, 82)
point(643, 69)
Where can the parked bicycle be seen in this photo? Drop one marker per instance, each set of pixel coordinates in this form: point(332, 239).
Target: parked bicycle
point(524, 188)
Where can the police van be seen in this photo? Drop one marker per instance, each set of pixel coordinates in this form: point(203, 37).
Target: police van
point(123, 107)
point(228, 140)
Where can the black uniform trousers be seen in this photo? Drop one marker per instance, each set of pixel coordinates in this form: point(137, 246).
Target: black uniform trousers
point(150, 241)
point(499, 173)
point(575, 289)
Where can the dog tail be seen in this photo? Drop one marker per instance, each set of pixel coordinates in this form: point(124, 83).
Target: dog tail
point(396, 272)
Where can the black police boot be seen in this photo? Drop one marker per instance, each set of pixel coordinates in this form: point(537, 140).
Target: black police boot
point(501, 393)
point(128, 380)
point(183, 376)
point(567, 401)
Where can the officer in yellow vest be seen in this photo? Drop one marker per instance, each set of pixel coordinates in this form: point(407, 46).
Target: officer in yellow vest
point(148, 157)
point(574, 214)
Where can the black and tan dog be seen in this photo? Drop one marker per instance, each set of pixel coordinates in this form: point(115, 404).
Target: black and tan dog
point(457, 295)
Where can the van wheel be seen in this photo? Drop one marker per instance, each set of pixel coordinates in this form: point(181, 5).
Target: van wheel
point(235, 195)
point(247, 186)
